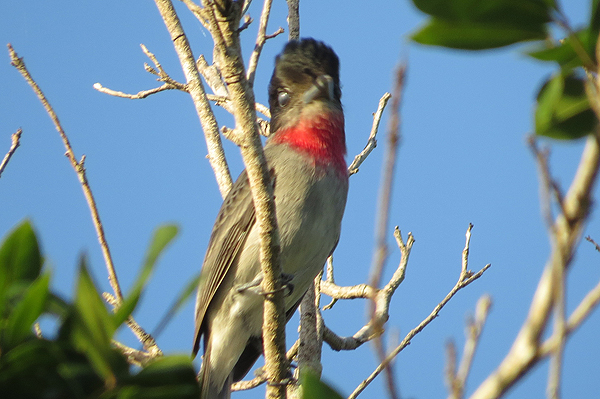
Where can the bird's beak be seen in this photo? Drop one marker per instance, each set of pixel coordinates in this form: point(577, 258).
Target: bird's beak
point(323, 87)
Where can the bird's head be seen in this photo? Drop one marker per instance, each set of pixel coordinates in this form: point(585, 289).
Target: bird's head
point(306, 111)
point(306, 81)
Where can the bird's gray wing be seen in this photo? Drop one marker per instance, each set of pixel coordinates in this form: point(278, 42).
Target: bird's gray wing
point(234, 221)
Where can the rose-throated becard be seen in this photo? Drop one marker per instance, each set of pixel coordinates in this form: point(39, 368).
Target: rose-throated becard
point(305, 154)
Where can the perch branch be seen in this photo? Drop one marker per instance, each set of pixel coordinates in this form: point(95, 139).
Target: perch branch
point(464, 280)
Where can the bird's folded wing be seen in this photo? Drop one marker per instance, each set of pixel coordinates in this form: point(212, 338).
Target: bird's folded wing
point(233, 224)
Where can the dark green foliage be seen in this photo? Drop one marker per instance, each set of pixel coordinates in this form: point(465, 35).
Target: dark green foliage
point(80, 362)
point(563, 108)
point(478, 25)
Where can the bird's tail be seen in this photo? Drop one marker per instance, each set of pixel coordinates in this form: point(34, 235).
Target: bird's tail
point(209, 389)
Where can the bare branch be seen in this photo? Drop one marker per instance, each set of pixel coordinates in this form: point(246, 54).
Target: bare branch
point(381, 226)
point(590, 239)
point(212, 75)
point(372, 140)
point(457, 379)
point(311, 335)
point(582, 312)
point(139, 95)
point(15, 141)
point(134, 357)
point(464, 280)
point(163, 76)
point(329, 279)
point(260, 42)
point(293, 19)
point(216, 155)
point(147, 340)
point(79, 167)
point(567, 228)
point(248, 384)
point(350, 292)
point(227, 54)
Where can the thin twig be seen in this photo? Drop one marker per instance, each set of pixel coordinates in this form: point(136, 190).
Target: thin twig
point(163, 76)
point(138, 96)
point(590, 239)
point(380, 297)
point(329, 279)
point(134, 357)
point(79, 167)
point(457, 379)
point(15, 141)
point(372, 140)
point(406, 341)
point(260, 41)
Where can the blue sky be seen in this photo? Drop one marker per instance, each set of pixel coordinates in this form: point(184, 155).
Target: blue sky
point(463, 159)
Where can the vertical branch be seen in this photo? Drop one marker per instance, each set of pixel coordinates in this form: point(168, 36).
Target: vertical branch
point(293, 19)
point(223, 22)
point(216, 155)
point(260, 41)
point(381, 226)
point(309, 351)
point(15, 138)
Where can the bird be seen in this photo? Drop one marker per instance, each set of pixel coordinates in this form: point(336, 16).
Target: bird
point(305, 154)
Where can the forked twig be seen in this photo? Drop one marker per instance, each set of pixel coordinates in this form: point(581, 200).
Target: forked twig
point(372, 140)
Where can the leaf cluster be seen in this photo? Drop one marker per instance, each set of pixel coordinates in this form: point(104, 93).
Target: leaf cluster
point(564, 108)
point(80, 362)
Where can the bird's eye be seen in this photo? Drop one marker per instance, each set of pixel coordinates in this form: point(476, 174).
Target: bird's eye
point(283, 98)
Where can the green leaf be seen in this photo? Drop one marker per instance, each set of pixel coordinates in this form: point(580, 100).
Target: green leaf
point(20, 257)
point(473, 35)
point(161, 239)
point(571, 52)
point(478, 25)
point(92, 326)
point(563, 110)
point(20, 321)
point(314, 388)
point(46, 369)
point(514, 12)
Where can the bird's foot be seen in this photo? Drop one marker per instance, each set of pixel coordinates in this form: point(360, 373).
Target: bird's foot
point(255, 287)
